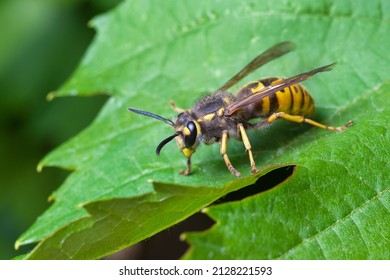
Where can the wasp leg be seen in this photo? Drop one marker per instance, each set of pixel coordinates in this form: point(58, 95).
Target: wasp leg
point(188, 170)
point(175, 108)
point(300, 119)
point(248, 146)
point(223, 144)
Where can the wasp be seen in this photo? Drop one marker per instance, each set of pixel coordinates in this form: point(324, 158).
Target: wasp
point(221, 115)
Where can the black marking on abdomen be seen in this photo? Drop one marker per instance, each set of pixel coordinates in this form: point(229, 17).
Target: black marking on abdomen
point(273, 103)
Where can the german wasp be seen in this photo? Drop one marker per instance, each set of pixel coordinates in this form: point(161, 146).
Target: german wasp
point(221, 115)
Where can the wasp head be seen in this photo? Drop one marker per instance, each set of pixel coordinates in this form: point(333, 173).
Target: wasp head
point(187, 132)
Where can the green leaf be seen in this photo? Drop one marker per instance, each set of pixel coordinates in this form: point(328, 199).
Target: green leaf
point(145, 54)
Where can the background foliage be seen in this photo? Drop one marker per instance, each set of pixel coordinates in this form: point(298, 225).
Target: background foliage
point(42, 42)
point(119, 194)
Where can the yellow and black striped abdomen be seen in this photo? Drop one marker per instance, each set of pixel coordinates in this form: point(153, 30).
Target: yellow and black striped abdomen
point(294, 100)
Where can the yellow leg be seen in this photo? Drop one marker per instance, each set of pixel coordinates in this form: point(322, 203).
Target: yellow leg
point(301, 119)
point(175, 108)
point(248, 146)
point(223, 144)
point(188, 170)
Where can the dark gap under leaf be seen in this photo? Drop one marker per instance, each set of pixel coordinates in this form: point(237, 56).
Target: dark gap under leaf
point(264, 183)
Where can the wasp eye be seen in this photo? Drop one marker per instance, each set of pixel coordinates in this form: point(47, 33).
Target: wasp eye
point(189, 139)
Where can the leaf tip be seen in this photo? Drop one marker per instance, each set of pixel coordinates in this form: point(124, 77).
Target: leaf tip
point(183, 237)
point(50, 96)
point(90, 24)
point(39, 167)
point(17, 244)
point(81, 205)
point(51, 198)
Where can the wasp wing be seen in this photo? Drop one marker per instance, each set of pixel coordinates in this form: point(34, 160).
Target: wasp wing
point(267, 91)
point(270, 54)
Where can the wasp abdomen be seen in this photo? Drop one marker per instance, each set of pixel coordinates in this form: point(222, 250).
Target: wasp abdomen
point(294, 100)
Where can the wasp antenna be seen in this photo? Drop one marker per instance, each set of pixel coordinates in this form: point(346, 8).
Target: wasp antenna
point(164, 142)
point(149, 114)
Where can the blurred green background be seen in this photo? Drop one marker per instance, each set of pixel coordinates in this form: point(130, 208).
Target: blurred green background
point(42, 41)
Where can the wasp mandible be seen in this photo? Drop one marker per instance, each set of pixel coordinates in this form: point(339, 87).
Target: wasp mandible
point(221, 115)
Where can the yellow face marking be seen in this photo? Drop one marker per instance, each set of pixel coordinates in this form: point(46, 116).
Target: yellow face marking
point(187, 152)
point(220, 112)
point(227, 100)
point(197, 127)
point(186, 131)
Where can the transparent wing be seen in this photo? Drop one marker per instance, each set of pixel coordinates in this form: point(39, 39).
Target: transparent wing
point(270, 54)
point(267, 91)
